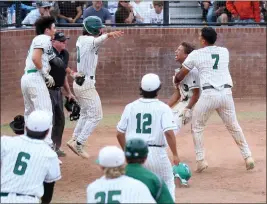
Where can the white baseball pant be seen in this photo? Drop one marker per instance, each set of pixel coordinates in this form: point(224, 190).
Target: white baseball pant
point(36, 97)
point(91, 110)
point(159, 163)
point(178, 110)
point(221, 101)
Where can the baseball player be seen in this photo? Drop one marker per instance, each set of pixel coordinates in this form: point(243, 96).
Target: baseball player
point(136, 151)
point(114, 186)
point(216, 83)
point(29, 167)
point(187, 93)
point(86, 94)
point(33, 85)
point(152, 120)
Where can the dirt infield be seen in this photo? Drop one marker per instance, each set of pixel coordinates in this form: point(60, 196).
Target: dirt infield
point(226, 180)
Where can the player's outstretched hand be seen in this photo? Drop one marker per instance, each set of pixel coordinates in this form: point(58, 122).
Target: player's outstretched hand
point(74, 75)
point(115, 34)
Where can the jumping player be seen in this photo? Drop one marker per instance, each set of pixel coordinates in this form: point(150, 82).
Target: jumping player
point(86, 94)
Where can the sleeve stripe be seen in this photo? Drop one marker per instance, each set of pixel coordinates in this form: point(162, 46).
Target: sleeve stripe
point(121, 130)
point(187, 67)
point(52, 180)
point(170, 128)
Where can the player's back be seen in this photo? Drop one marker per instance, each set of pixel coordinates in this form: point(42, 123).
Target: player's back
point(120, 190)
point(213, 65)
point(145, 118)
point(41, 42)
point(87, 55)
point(25, 164)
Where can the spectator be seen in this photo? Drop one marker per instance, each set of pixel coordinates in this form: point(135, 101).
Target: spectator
point(43, 9)
point(220, 11)
point(207, 11)
point(124, 15)
point(244, 11)
point(141, 10)
point(97, 10)
point(70, 12)
point(156, 14)
point(126, 5)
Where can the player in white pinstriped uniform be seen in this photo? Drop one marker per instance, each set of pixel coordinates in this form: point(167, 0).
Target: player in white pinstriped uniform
point(29, 167)
point(114, 186)
point(33, 85)
point(216, 82)
point(86, 94)
point(152, 120)
point(187, 93)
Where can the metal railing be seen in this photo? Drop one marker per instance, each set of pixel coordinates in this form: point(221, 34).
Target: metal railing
point(11, 17)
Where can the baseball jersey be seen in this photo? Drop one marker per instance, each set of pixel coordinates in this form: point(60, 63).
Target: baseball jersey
point(147, 119)
point(119, 190)
point(212, 63)
point(43, 42)
point(191, 81)
point(25, 164)
point(87, 53)
point(155, 184)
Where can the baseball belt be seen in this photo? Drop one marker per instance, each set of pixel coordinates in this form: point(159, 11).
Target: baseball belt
point(31, 71)
point(153, 145)
point(2, 194)
point(212, 87)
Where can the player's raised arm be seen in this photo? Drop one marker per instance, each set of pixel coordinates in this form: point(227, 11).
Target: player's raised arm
point(174, 98)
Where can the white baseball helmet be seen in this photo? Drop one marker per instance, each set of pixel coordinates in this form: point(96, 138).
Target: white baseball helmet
point(39, 121)
point(150, 82)
point(111, 156)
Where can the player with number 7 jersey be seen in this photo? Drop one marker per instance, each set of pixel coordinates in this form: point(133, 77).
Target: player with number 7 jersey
point(212, 63)
point(152, 120)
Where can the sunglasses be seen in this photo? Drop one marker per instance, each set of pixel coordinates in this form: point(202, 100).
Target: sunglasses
point(48, 7)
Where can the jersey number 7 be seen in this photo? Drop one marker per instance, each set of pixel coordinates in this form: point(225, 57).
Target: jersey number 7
point(216, 57)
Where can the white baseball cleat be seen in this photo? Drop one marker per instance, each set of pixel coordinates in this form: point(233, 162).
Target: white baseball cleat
point(201, 165)
point(250, 164)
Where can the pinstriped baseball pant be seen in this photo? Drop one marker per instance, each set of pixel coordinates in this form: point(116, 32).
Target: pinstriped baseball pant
point(221, 101)
point(91, 110)
point(36, 97)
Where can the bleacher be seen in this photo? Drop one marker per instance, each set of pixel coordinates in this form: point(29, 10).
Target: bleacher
point(185, 12)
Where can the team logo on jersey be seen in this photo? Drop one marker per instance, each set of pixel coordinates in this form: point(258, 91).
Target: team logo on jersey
point(49, 51)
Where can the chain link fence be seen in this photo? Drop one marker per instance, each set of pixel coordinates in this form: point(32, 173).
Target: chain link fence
point(21, 14)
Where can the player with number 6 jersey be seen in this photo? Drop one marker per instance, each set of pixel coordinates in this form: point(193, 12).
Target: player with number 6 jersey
point(114, 186)
point(151, 120)
point(29, 167)
point(212, 63)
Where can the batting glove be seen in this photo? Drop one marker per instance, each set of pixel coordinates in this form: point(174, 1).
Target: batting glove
point(187, 116)
point(49, 80)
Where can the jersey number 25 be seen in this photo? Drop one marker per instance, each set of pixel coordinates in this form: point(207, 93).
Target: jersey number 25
point(109, 195)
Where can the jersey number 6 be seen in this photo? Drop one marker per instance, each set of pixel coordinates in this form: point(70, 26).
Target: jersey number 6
point(21, 166)
point(147, 120)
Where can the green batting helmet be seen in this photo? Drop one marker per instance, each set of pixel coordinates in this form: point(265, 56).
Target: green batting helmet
point(183, 172)
point(136, 149)
point(93, 24)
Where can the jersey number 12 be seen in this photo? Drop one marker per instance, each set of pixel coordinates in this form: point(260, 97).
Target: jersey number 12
point(20, 165)
point(216, 57)
point(147, 121)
